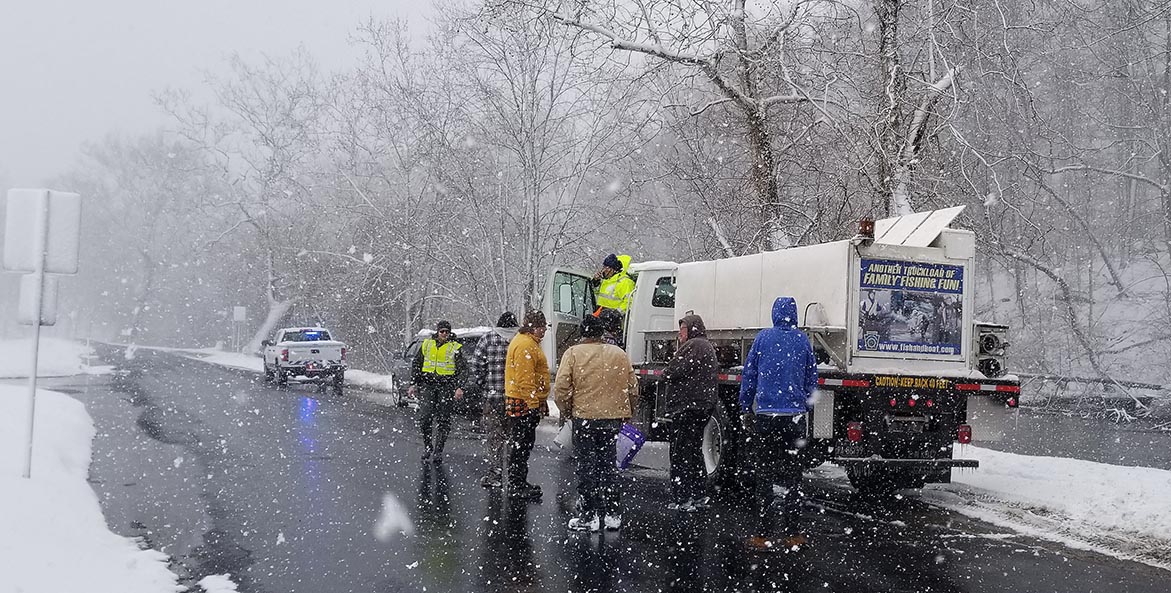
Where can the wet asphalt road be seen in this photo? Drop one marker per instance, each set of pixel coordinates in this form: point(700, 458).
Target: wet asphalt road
point(282, 489)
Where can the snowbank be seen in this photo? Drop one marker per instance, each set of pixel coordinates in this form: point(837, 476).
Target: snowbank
point(370, 380)
point(53, 536)
point(57, 358)
point(234, 360)
point(1068, 500)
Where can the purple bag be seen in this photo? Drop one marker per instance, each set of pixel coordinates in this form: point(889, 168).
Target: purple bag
point(630, 440)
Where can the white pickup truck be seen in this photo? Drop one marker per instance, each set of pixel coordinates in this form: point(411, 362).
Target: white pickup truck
point(306, 353)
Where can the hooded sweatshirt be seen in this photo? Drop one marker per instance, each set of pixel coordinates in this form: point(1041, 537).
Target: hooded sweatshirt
point(691, 373)
point(780, 372)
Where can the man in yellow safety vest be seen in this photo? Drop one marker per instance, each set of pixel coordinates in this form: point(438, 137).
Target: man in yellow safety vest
point(613, 291)
point(614, 284)
point(436, 374)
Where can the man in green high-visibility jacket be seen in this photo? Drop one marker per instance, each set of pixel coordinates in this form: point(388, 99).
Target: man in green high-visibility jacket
point(437, 374)
point(614, 284)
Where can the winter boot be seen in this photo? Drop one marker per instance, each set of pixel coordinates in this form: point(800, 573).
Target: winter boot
point(612, 521)
point(585, 522)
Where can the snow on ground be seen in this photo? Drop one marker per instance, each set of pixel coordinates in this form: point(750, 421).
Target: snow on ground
point(233, 360)
point(57, 358)
point(53, 536)
point(1120, 510)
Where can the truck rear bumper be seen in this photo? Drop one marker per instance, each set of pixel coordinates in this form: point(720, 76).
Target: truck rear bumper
point(910, 464)
point(314, 371)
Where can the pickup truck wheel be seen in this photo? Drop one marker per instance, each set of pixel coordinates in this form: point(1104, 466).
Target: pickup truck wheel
point(339, 383)
point(268, 375)
point(400, 397)
point(282, 378)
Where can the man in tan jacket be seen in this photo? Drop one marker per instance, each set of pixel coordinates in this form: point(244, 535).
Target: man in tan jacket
point(597, 389)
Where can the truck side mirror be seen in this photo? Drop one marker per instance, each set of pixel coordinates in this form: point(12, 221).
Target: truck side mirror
point(266, 343)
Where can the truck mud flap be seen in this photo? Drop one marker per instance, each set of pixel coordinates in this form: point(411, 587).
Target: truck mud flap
point(906, 463)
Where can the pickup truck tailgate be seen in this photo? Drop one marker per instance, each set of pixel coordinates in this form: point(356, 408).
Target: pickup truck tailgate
point(302, 352)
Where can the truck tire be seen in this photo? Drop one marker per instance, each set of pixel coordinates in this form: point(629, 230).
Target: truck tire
point(723, 455)
point(282, 378)
point(269, 377)
point(339, 382)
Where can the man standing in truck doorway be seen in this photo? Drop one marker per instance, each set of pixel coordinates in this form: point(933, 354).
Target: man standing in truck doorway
point(613, 287)
point(614, 284)
point(437, 372)
point(779, 378)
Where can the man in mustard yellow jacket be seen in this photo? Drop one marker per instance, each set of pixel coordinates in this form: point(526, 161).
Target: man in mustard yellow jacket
point(526, 395)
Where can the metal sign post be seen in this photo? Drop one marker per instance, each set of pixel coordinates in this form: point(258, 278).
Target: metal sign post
point(41, 242)
point(54, 220)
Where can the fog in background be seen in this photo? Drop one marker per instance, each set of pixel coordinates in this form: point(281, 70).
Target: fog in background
point(336, 167)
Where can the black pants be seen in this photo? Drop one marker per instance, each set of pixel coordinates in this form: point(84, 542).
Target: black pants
point(687, 471)
point(597, 477)
point(777, 440)
point(522, 433)
point(436, 404)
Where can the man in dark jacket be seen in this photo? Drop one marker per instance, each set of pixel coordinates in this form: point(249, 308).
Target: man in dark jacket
point(488, 374)
point(691, 399)
point(779, 378)
point(437, 373)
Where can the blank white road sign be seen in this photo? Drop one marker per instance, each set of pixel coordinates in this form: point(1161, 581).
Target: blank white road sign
point(239, 314)
point(20, 233)
point(28, 288)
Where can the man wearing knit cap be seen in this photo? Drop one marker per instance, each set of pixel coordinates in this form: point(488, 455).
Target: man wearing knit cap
point(437, 375)
point(614, 284)
point(488, 375)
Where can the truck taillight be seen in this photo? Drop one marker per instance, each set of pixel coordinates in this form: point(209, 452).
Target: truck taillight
point(964, 434)
point(285, 355)
point(854, 432)
point(343, 354)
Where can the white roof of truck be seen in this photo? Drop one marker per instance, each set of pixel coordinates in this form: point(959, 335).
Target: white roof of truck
point(644, 266)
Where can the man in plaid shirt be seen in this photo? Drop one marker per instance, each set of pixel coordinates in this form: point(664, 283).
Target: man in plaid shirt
point(488, 375)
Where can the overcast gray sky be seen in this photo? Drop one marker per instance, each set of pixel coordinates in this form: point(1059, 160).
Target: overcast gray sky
point(75, 70)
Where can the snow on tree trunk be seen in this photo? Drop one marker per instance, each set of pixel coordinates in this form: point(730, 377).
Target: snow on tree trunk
point(276, 312)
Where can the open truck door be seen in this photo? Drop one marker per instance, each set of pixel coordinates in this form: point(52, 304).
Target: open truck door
point(569, 297)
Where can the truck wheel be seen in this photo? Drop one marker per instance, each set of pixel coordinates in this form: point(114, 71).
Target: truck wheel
point(282, 378)
point(339, 383)
point(722, 456)
point(268, 375)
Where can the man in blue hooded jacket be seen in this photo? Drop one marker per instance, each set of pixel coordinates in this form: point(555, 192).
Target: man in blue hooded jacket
point(780, 375)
